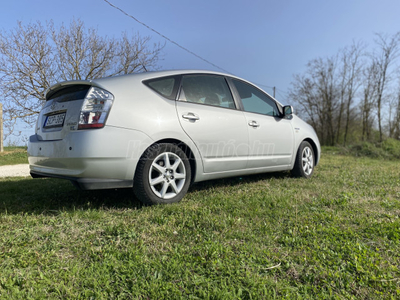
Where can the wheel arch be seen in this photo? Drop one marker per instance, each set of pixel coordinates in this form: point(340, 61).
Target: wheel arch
point(315, 149)
point(186, 149)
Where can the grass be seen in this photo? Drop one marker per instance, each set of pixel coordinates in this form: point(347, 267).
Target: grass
point(13, 156)
point(336, 236)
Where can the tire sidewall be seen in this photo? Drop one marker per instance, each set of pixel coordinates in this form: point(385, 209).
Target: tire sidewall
point(298, 168)
point(147, 160)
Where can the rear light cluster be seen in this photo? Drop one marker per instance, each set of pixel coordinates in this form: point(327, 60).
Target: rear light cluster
point(95, 108)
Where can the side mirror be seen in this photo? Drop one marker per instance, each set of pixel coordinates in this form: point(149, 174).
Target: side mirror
point(287, 111)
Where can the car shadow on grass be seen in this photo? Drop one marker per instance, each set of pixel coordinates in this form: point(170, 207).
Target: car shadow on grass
point(48, 196)
point(51, 196)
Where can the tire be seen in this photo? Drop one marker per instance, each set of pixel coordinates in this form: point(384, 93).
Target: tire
point(163, 175)
point(305, 161)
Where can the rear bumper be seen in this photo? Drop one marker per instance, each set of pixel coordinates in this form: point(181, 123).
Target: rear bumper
point(93, 159)
point(89, 183)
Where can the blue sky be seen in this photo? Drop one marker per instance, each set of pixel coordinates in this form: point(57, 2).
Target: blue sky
point(263, 41)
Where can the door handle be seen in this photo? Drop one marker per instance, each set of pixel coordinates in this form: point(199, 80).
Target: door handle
point(254, 124)
point(191, 117)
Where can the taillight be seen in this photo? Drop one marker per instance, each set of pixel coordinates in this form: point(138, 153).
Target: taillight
point(95, 108)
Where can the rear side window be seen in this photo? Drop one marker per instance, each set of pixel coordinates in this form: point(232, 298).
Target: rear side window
point(70, 93)
point(165, 86)
point(206, 89)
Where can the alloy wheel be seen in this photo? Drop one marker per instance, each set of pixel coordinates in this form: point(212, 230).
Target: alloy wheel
point(167, 175)
point(307, 161)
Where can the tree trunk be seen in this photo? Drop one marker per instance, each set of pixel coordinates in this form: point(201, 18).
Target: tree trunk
point(1, 128)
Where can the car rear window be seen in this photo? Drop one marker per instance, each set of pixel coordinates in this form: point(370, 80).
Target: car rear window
point(165, 86)
point(70, 93)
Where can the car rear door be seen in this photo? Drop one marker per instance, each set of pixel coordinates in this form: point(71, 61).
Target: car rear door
point(61, 112)
point(207, 113)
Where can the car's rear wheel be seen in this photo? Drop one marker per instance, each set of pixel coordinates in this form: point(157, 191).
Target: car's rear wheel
point(163, 175)
point(304, 164)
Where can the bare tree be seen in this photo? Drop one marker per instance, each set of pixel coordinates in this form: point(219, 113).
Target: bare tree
point(369, 90)
point(317, 97)
point(394, 108)
point(26, 70)
point(396, 126)
point(305, 94)
point(82, 54)
point(35, 56)
point(351, 59)
point(1, 128)
point(326, 79)
point(388, 51)
point(342, 87)
point(134, 55)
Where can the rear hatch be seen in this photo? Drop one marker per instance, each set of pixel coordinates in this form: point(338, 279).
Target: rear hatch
point(71, 106)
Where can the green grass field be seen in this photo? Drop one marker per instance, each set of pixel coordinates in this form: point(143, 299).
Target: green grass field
point(13, 156)
point(336, 236)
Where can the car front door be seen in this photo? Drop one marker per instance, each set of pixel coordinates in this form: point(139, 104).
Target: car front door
point(271, 137)
point(207, 113)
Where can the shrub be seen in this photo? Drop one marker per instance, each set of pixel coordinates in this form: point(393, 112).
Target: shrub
point(388, 149)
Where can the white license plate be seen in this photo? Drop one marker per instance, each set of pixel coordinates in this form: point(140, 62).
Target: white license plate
point(55, 120)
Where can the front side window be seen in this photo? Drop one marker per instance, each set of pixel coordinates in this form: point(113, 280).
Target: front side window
point(254, 100)
point(206, 89)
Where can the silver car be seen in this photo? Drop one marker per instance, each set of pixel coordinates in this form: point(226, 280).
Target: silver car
point(158, 132)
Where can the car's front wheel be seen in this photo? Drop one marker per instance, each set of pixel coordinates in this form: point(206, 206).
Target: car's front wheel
point(304, 164)
point(163, 175)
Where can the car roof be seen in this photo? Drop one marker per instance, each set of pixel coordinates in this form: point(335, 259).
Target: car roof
point(144, 76)
point(155, 74)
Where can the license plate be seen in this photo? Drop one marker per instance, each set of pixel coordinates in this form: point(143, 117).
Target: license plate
point(54, 120)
